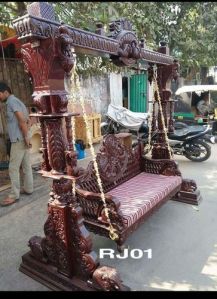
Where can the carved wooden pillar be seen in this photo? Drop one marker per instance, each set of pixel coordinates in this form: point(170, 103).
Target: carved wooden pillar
point(45, 164)
point(56, 147)
point(164, 73)
point(69, 132)
point(63, 259)
point(171, 122)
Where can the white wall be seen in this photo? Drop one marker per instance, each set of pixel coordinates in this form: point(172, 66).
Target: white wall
point(116, 94)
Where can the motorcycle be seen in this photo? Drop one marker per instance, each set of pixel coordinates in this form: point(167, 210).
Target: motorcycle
point(119, 118)
point(208, 137)
point(189, 141)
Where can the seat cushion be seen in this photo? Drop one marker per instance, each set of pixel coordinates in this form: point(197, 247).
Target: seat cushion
point(142, 193)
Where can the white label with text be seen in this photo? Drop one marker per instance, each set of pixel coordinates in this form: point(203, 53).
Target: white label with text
point(127, 253)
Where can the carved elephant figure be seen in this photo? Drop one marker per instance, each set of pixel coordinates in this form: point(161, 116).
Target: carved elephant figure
point(189, 185)
point(108, 279)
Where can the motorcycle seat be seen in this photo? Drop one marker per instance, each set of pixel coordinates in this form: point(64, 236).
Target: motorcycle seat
point(181, 134)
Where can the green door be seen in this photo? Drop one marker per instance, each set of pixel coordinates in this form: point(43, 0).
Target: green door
point(138, 93)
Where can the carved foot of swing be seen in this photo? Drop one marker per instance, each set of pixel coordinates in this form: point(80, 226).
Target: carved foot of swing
point(103, 279)
point(188, 193)
point(48, 275)
point(63, 259)
point(107, 279)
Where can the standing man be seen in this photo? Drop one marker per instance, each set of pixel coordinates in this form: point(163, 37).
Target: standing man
point(17, 122)
point(203, 106)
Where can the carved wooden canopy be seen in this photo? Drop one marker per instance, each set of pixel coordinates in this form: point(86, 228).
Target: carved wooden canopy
point(121, 44)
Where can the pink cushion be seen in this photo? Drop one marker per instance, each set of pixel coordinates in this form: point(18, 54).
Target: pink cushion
point(142, 192)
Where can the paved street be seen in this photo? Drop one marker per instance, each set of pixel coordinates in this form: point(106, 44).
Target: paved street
point(182, 238)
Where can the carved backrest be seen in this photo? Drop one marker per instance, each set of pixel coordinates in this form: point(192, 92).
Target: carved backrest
point(117, 164)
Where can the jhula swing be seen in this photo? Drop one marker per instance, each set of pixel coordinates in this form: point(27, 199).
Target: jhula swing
point(74, 78)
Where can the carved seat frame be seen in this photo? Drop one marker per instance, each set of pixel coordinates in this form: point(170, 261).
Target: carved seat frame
point(117, 164)
point(63, 259)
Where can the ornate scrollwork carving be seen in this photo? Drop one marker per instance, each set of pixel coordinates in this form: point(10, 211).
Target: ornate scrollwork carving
point(62, 191)
point(117, 26)
point(129, 49)
point(112, 159)
point(37, 62)
point(170, 168)
point(175, 69)
point(71, 164)
point(56, 146)
point(64, 49)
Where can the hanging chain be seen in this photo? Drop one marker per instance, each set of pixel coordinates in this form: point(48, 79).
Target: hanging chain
point(162, 115)
point(148, 145)
point(3, 54)
point(112, 232)
point(74, 148)
point(72, 97)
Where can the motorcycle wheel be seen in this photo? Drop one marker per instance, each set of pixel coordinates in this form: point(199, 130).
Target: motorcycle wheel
point(197, 151)
point(109, 128)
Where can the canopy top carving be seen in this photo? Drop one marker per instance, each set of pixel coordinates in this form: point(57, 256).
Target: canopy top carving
point(121, 44)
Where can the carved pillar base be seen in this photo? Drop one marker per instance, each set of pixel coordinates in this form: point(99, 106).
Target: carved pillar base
point(48, 276)
point(64, 259)
point(188, 193)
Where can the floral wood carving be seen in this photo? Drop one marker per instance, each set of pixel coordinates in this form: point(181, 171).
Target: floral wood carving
point(113, 168)
point(170, 168)
point(61, 191)
point(56, 146)
point(37, 61)
point(112, 159)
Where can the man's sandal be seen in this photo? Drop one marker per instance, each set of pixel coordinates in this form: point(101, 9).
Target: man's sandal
point(22, 191)
point(8, 201)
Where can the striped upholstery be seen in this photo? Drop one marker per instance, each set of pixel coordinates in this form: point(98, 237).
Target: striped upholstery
point(141, 193)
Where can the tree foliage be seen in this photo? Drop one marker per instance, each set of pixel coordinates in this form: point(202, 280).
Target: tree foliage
point(189, 27)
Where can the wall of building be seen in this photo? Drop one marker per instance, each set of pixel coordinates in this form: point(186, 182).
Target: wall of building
point(12, 72)
point(98, 92)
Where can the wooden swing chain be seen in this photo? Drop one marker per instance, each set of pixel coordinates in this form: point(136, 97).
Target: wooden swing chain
point(162, 115)
point(148, 145)
point(74, 147)
point(73, 135)
point(112, 232)
point(3, 54)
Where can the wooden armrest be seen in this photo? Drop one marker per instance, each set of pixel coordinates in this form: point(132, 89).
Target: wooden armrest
point(113, 204)
point(92, 195)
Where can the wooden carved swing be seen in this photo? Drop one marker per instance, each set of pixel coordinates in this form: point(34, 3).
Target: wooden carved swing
point(63, 259)
point(126, 176)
